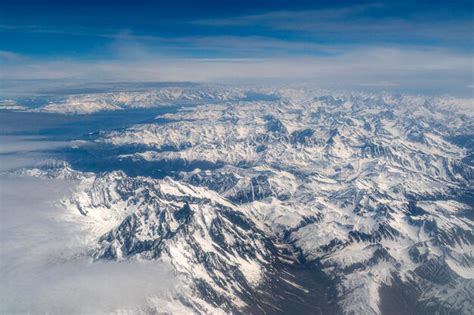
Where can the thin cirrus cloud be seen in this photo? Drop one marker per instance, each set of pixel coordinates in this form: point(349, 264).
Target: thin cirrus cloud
point(371, 44)
point(360, 23)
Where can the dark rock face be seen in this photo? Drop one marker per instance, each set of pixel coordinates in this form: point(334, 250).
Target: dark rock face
point(184, 214)
point(274, 125)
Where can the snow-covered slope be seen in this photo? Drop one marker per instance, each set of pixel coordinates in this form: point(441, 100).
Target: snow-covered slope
point(203, 236)
point(370, 186)
point(370, 194)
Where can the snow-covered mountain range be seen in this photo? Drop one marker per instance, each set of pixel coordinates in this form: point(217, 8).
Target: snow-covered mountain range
point(306, 203)
point(88, 103)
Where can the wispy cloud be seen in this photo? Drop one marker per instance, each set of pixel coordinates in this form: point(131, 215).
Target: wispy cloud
point(9, 56)
point(416, 67)
point(284, 19)
point(361, 23)
point(219, 46)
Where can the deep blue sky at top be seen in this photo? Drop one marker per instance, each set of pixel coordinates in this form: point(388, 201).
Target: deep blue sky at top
point(230, 29)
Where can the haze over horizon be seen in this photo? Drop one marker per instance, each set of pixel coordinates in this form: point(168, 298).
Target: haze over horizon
point(423, 46)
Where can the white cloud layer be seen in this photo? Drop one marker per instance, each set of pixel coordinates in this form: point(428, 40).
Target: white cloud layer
point(412, 68)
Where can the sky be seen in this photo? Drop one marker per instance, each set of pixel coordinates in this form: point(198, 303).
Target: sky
point(413, 44)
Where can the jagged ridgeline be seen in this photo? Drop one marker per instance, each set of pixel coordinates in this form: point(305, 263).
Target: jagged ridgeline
point(303, 203)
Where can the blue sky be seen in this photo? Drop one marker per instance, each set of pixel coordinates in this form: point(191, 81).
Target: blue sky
point(114, 38)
